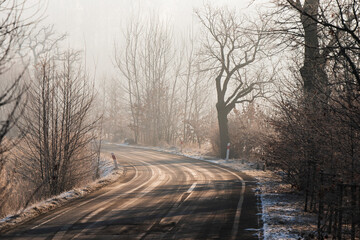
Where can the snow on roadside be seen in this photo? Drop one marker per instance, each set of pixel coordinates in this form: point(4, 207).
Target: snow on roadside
point(107, 175)
point(283, 217)
point(282, 208)
point(106, 166)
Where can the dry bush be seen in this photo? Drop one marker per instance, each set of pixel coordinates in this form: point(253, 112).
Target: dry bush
point(323, 139)
point(55, 153)
point(247, 130)
point(318, 153)
point(21, 179)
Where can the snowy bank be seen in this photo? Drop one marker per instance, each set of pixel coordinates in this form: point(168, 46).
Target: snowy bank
point(107, 175)
point(282, 208)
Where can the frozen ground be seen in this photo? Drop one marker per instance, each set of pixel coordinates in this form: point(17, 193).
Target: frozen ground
point(107, 175)
point(282, 208)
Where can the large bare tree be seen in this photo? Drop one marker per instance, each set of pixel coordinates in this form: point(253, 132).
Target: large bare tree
point(315, 82)
point(229, 49)
point(340, 22)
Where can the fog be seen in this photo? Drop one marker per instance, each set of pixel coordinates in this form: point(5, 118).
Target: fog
point(94, 26)
point(265, 85)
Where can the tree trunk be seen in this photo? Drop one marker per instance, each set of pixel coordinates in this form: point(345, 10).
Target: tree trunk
point(223, 128)
point(308, 71)
point(312, 72)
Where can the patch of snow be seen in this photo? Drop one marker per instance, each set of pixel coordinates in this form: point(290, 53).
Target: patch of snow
point(282, 214)
point(107, 175)
point(106, 167)
point(5, 219)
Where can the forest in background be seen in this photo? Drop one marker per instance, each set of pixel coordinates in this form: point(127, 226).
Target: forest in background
point(281, 86)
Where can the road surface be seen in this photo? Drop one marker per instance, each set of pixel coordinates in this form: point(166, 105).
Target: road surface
point(160, 196)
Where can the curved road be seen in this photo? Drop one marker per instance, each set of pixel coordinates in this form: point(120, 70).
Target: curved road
point(160, 196)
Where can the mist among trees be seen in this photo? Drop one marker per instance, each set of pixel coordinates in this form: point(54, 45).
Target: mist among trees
point(281, 85)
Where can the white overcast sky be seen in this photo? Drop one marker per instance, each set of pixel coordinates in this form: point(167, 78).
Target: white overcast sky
point(97, 23)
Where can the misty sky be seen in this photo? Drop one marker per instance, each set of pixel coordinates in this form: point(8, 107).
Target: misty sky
point(96, 24)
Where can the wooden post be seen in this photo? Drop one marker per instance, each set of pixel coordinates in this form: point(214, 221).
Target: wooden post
point(115, 162)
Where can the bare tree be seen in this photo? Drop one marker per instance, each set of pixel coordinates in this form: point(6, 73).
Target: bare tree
point(157, 65)
point(129, 65)
point(310, 145)
point(151, 68)
point(56, 148)
point(341, 23)
point(228, 49)
point(196, 96)
point(111, 102)
point(40, 42)
point(312, 71)
point(14, 26)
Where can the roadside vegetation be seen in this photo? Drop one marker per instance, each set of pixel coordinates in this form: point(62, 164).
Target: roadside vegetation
point(281, 85)
point(48, 129)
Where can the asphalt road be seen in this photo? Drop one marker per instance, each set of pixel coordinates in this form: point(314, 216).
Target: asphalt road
point(160, 196)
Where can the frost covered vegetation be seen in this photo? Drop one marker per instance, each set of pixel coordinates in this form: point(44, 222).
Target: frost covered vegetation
point(48, 130)
point(107, 175)
point(316, 122)
point(282, 86)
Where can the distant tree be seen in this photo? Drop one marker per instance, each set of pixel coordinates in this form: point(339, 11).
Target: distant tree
point(228, 49)
point(111, 102)
point(128, 62)
point(196, 95)
point(151, 68)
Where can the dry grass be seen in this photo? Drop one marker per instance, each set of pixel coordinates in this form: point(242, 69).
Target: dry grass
point(49, 204)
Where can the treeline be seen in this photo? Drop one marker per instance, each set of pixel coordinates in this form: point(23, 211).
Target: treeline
point(300, 62)
point(166, 98)
point(181, 88)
